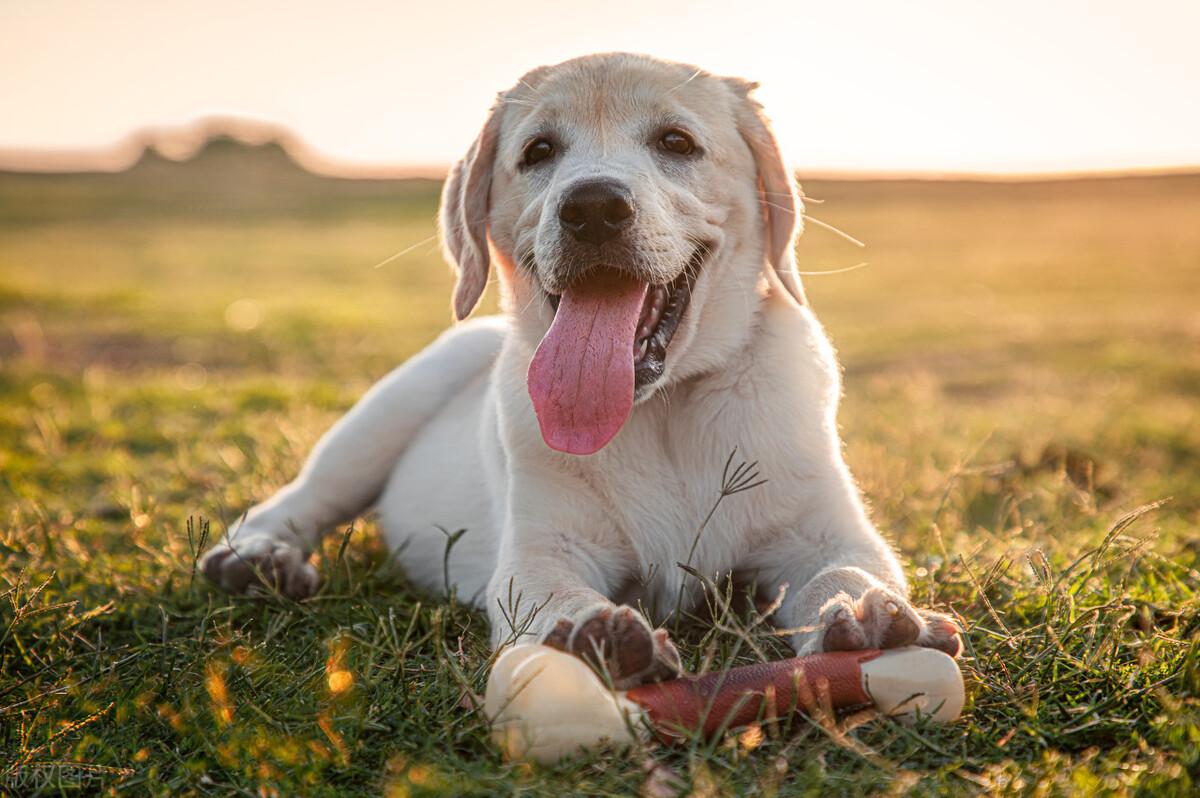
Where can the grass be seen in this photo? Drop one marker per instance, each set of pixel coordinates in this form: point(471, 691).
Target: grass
point(1023, 384)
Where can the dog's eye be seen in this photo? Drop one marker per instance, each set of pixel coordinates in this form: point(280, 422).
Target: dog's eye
point(536, 151)
point(678, 142)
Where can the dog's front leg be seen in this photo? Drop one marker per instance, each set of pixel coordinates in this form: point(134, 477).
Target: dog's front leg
point(348, 468)
point(553, 584)
point(845, 587)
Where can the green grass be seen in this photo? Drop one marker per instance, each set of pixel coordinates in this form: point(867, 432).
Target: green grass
point(1023, 386)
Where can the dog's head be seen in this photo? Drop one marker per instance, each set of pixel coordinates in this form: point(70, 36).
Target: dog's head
point(637, 209)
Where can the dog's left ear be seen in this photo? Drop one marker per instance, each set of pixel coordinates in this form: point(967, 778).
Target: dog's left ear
point(777, 188)
point(464, 215)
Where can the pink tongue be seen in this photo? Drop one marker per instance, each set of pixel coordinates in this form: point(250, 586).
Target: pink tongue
point(581, 377)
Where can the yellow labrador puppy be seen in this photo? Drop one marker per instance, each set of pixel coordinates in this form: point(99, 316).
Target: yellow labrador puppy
point(641, 219)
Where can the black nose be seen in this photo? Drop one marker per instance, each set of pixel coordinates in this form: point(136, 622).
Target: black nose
point(596, 211)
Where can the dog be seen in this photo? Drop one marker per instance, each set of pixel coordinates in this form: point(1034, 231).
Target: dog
point(641, 220)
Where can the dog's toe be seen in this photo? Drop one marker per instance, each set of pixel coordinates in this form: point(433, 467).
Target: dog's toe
point(889, 620)
point(843, 630)
point(667, 663)
point(941, 632)
point(632, 642)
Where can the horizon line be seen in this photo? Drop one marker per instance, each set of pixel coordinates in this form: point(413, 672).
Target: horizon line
point(180, 143)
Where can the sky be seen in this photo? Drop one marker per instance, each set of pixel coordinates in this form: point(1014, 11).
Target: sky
point(1010, 86)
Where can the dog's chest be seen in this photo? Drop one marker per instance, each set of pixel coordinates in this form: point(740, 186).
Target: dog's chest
point(676, 551)
point(689, 494)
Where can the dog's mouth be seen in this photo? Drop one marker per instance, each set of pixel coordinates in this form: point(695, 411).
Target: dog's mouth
point(661, 313)
point(606, 347)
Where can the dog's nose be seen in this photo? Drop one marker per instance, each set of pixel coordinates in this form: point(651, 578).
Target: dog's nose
point(596, 211)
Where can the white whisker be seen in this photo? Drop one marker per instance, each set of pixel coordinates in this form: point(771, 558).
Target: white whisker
point(404, 251)
point(833, 229)
point(853, 268)
point(694, 75)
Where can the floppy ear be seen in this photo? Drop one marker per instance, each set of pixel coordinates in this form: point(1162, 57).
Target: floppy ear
point(464, 216)
point(777, 190)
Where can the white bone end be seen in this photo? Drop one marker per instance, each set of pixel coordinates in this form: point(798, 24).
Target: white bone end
point(907, 682)
point(545, 704)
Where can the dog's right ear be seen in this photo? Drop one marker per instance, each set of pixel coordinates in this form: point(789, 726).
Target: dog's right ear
point(464, 215)
point(776, 185)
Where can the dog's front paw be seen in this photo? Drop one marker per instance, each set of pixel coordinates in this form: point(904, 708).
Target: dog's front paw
point(883, 619)
point(259, 564)
point(619, 644)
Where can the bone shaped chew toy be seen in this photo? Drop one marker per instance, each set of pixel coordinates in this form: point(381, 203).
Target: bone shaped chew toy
point(545, 704)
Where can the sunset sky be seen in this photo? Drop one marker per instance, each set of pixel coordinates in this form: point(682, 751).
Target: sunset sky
point(1012, 86)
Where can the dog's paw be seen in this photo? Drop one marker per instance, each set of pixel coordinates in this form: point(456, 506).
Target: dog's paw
point(261, 564)
point(883, 619)
point(619, 644)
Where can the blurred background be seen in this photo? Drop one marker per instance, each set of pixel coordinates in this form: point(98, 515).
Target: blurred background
point(217, 230)
point(199, 195)
point(229, 208)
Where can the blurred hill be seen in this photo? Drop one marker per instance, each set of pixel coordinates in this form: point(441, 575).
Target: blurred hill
point(225, 177)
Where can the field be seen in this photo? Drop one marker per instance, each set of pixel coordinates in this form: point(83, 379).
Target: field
point(1022, 411)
